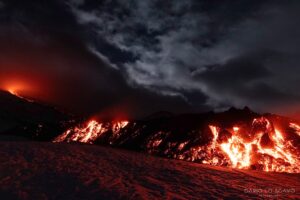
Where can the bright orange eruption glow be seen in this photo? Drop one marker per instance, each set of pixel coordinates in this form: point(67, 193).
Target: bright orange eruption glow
point(21, 84)
point(13, 88)
point(18, 88)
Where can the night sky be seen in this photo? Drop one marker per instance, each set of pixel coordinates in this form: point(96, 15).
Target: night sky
point(135, 57)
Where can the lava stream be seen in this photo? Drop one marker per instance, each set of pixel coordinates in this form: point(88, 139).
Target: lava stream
point(259, 145)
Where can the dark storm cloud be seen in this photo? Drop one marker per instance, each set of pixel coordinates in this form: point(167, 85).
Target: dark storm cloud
point(244, 78)
point(162, 55)
point(43, 44)
point(230, 53)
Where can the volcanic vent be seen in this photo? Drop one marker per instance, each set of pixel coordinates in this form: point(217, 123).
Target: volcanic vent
point(235, 138)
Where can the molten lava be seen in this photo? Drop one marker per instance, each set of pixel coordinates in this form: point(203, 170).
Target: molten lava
point(91, 131)
point(267, 149)
point(13, 92)
point(259, 144)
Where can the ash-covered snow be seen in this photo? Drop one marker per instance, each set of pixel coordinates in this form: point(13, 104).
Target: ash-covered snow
point(31, 170)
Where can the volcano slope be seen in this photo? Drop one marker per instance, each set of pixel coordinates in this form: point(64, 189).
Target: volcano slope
point(24, 119)
point(36, 170)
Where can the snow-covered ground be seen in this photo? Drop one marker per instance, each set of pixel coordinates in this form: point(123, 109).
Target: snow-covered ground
point(31, 170)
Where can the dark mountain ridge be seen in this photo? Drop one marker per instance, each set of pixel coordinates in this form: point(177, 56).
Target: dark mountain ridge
point(237, 137)
point(29, 119)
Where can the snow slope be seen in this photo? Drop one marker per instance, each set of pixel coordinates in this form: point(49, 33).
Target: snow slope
point(32, 170)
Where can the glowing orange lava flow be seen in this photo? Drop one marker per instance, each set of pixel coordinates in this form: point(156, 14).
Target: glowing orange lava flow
point(259, 144)
point(296, 128)
point(266, 148)
point(13, 92)
point(91, 131)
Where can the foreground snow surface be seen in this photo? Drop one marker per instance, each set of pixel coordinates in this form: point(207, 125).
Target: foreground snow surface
point(71, 171)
